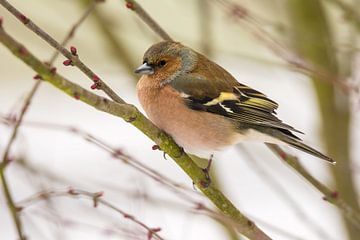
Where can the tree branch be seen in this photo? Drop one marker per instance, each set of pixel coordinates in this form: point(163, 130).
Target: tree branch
point(331, 196)
point(133, 5)
point(96, 198)
point(71, 56)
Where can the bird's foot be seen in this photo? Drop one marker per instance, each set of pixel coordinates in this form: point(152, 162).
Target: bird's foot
point(206, 171)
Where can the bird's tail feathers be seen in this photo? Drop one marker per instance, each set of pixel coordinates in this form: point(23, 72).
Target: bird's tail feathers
point(303, 147)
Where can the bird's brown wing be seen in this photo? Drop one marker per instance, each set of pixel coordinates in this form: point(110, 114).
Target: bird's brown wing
point(237, 102)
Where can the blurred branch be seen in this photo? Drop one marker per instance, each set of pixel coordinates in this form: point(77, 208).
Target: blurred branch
point(90, 8)
point(117, 153)
point(5, 160)
point(331, 196)
point(280, 191)
point(72, 57)
point(120, 231)
point(115, 45)
point(14, 210)
point(130, 114)
point(309, 21)
point(18, 122)
point(205, 18)
point(134, 6)
point(96, 198)
point(350, 12)
point(293, 59)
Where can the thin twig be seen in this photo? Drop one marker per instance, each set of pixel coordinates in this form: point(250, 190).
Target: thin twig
point(205, 26)
point(281, 191)
point(96, 198)
point(73, 57)
point(333, 197)
point(12, 207)
point(296, 61)
point(133, 5)
point(74, 27)
point(115, 46)
point(350, 12)
point(5, 161)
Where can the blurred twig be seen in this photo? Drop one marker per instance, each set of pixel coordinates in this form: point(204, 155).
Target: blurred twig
point(117, 153)
point(90, 8)
point(71, 56)
point(96, 198)
point(350, 12)
point(134, 6)
point(331, 196)
point(120, 231)
point(12, 207)
point(205, 27)
point(115, 45)
point(281, 191)
point(293, 59)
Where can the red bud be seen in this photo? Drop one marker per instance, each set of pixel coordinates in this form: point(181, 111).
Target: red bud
point(76, 96)
point(24, 19)
point(95, 78)
point(53, 70)
point(130, 5)
point(67, 62)
point(37, 77)
point(94, 86)
point(73, 50)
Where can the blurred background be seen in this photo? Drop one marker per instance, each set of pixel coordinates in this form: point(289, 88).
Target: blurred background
point(303, 54)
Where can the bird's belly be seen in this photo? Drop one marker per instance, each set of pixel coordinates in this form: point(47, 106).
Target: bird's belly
point(192, 130)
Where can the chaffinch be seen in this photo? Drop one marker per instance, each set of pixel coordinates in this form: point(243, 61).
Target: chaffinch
point(203, 107)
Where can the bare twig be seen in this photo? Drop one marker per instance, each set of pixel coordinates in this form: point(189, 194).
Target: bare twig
point(133, 5)
point(14, 210)
point(115, 46)
point(5, 160)
point(205, 27)
point(96, 198)
point(120, 231)
point(281, 191)
point(350, 12)
point(331, 196)
point(296, 61)
point(74, 27)
point(71, 56)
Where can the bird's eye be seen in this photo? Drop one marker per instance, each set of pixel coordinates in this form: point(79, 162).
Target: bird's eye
point(162, 63)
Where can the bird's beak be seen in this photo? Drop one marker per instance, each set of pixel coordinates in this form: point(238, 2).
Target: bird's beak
point(145, 69)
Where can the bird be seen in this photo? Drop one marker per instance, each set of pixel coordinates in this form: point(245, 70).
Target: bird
point(203, 107)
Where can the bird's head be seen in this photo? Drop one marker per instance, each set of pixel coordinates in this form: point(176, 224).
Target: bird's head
point(166, 60)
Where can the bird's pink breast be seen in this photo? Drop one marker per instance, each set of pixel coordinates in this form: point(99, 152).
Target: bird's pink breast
point(193, 130)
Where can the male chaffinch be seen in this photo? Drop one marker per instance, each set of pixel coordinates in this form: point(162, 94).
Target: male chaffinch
point(203, 107)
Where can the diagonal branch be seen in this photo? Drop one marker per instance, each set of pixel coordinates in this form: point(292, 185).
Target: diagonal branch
point(329, 195)
point(71, 56)
point(133, 5)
